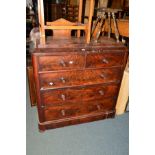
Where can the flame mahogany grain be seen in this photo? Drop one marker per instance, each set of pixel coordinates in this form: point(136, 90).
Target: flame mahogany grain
point(76, 82)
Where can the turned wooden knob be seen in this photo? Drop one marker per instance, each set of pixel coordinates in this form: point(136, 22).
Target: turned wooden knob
point(101, 92)
point(98, 107)
point(62, 63)
point(63, 80)
point(63, 97)
point(105, 61)
point(102, 76)
point(63, 112)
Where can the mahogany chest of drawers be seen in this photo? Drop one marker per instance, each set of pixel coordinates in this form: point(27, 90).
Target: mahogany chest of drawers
point(77, 82)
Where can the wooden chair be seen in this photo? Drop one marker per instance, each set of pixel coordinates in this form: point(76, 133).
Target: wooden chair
point(63, 24)
point(62, 33)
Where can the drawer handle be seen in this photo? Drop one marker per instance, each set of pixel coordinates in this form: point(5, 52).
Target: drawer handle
point(105, 61)
point(102, 76)
point(63, 97)
point(63, 112)
point(101, 92)
point(51, 83)
point(83, 49)
point(63, 80)
point(63, 63)
point(98, 107)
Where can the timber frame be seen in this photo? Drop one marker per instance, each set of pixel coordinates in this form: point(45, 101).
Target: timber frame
point(76, 26)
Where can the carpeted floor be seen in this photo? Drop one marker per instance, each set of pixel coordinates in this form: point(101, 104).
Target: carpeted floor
point(105, 137)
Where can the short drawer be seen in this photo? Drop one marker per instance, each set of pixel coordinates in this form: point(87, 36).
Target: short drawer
point(78, 94)
point(104, 60)
point(79, 77)
point(74, 110)
point(65, 62)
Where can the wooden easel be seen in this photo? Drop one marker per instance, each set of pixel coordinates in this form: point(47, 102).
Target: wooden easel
point(74, 26)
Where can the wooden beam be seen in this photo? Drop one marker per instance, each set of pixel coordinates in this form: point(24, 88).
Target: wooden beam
point(123, 92)
point(91, 11)
point(41, 21)
point(81, 27)
point(60, 22)
point(80, 16)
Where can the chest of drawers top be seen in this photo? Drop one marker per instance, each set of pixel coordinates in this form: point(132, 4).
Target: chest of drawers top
point(74, 54)
point(77, 46)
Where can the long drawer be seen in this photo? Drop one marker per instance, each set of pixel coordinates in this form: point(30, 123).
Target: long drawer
point(79, 77)
point(80, 109)
point(78, 94)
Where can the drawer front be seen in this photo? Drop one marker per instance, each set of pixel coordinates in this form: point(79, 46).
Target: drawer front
point(79, 77)
point(60, 96)
point(52, 63)
point(104, 60)
point(76, 95)
point(92, 93)
point(74, 110)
